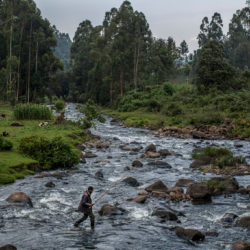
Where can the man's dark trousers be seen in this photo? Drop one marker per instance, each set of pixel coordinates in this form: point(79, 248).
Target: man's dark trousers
point(85, 216)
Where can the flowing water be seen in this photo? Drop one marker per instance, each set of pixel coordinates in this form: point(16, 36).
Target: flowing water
point(49, 225)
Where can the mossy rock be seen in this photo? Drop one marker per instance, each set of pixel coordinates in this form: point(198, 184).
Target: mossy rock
point(6, 179)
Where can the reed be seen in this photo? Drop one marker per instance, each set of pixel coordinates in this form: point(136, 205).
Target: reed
point(32, 112)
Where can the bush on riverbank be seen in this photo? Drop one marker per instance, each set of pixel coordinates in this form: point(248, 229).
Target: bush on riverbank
point(221, 157)
point(59, 105)
point(32, 112)
point(50, 154)
point(5, 145)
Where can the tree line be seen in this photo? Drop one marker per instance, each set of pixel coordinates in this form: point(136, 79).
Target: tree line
point(27, 58)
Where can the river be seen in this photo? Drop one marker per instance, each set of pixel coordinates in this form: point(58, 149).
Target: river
point(49, 225)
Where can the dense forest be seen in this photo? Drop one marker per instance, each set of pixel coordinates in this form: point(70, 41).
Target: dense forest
point(121, 55)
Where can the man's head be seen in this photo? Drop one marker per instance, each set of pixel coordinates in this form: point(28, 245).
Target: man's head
point(90, 189)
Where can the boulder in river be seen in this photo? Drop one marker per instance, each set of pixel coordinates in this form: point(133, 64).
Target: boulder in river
point(50, 184)
point(223, 185)
point(164, 152)
point(137, 164)
point(165, 214)
point(201, 162)
point(99, 174)
point(107, 209)
point(139, 199)
point(142, 192)
point(150, 148)
point(152, 155)
point(229, 218)
point(20, 197)
point(131, 181)
point(89, 154)
point(241, 245)
point(189, 234)
point(161, 164)
point(157, 186)
point(200, 193)
point(244, 222)
point(8, 247)
point(184, 182)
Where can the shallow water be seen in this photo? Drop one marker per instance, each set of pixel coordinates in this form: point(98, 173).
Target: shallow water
point(49, 225)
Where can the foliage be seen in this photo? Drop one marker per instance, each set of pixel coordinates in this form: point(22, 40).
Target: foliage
point(50, 154)
point(62, 49)
point(5, 145)
point(221, 157)
point(60, 105)
point(91, 115)
point(212, 68)
point(32, 112)
point(168, 88)
point(26, 51)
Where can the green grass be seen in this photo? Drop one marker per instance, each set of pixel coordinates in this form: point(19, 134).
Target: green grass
point(13, 164)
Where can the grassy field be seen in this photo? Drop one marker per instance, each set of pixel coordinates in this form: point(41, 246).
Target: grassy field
point(13, 164)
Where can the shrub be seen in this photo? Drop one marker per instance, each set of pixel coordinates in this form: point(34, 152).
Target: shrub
point(6, 178)
point(50, 154)
point(32, 112)
point(5, 145)
point(221, 157)
point(168, 88)
point(60, 105)
point(153, 106)
point(172, 109)
point(206, 118)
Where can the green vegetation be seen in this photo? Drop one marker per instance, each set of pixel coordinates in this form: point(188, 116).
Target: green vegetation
point(14, 164)
point(215, 184)
point(221, 157)
point(32, 112)
point(50, 154)
point(5, 145)
point(60, 105)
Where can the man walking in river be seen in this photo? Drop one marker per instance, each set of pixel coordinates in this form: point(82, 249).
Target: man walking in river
point(85, 207)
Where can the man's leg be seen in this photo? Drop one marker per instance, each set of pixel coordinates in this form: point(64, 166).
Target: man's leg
point(85, 216)
point(92, 219)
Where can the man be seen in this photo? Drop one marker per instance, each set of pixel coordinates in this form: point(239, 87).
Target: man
point(85, 207)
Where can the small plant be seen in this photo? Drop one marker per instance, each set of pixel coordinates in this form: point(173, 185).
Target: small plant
point(221, 157)
point(32, 112)
point(59, 105)
point(5, 145)
point(168, 88)
point(91, 115)
point(215, 184)
point(50, 154)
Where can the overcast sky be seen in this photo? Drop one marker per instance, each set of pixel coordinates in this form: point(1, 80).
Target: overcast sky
point(177, 18)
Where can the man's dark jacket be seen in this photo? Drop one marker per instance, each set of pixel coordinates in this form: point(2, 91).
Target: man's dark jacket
point(85, 203)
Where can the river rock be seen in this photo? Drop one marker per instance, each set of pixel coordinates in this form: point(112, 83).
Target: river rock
point(82, 159)
point(189, 234)
point(184, 182)
point(81, 147)
point(89, 154)
point(99, 174)
point(127, 168)
point(152, 155)
point(224, 185)
point(200, 193)
point(164, 152)
point(248, 189)
point(131, 181)
point(162, 164)
point(229, 218)
point(102, 144)
point(137, 164)
point(139, 199)
point(20, 197)
point(165, 214)
point(55, 175)
point(150, 148)
point(242, 190)
point(157, 186)
point(50, 184)
point(142, 192)
point(206, 160)
point(107, 209)
point(8, 247)
point(115, 121)
point(241, 245)
point(244, 222)
point(125, 148)
point(199, 135)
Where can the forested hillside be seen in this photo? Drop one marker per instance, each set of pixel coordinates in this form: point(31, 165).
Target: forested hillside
point(62, 49)
point(26, 51)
